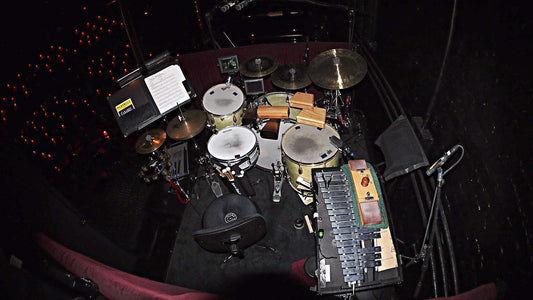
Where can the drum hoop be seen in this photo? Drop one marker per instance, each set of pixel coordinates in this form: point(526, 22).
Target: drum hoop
point(283, 155)
point(256, 146)
point(247, 155)
point(307, 164)
point(265, 120)
point(275, 93)
point(230, 114)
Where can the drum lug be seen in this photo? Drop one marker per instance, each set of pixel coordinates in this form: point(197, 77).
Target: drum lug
point(234, 120)
point(299, 169)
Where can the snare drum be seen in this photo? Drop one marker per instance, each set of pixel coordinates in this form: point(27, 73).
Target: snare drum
point(271, 149)
point(224, 106)
point(233, 146)
point(305, 147)
point(279, 99)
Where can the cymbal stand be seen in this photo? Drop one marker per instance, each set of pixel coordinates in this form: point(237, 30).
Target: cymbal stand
point(181, 118)
point(337, 109)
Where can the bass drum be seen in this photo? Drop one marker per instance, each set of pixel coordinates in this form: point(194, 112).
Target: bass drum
point(224, 105)
point(233, 146)
point(271, 149)
point(305, 147)
point(279, 99)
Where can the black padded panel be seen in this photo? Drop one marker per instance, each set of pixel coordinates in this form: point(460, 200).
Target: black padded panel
point(227, 209)
point(401, 148)
point(250, 230)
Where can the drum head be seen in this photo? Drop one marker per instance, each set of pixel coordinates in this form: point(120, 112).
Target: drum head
point(280, 99)
point(308, 144)
point(270, 149)
point(219, 100)
point(231, 142)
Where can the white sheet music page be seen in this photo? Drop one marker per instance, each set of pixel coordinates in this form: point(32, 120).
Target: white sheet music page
point(166, 87)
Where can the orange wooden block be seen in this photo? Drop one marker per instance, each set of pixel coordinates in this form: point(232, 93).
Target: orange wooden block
point(302, 100)
point(316, 117)
point(273, 112)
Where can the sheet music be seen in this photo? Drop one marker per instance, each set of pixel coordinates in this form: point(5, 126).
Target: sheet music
point(167, 89)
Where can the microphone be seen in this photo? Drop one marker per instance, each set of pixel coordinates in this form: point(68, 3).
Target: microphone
point(440, 162)
point(305, 56)
point(229, 4)
point(241, 5)
point(335, 141)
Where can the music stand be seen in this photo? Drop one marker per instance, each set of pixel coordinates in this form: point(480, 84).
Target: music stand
point(145, 98)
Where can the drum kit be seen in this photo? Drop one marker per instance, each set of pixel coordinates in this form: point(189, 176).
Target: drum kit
point(234, 148)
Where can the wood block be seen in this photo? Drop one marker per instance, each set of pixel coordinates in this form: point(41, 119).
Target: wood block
point(370, 213)
point(273, 112)
point(270, 130)
point(302, 100)
point(315, 117)
point(357, 164)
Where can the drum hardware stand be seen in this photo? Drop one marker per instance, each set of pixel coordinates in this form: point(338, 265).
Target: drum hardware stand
point(208, 174)
point(336, 108)
point(278, 181)
point(181, 118)
point(176, 188)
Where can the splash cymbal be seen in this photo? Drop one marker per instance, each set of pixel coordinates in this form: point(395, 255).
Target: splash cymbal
point(150, 141)
point(192, 123)
point(337, 69)
point(258, 66)
point(291, 77)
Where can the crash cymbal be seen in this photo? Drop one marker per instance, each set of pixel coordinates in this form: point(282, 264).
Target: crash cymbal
point(258, 66)
point(150, 141)
point(337, 69)
point(192, 123)
point(291, 77)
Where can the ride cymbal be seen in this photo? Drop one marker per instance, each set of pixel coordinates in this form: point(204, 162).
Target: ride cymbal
point(150, 141)
point(258, 66)
point(337, 69)
point(192, 123)
point(291, 77)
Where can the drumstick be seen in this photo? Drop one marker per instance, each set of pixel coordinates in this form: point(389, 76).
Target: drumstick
point(229, 175)
point(220, 172)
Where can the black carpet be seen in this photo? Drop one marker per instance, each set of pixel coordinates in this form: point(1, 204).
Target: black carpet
point(265, 265)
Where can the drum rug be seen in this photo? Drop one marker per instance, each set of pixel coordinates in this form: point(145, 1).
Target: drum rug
point(266, 265)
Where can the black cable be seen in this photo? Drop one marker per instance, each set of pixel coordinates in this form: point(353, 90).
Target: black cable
point(372, 73)
point(381, 98)
point(441, 72)
point(449, 243)
point(373, 64)
point(457, 161)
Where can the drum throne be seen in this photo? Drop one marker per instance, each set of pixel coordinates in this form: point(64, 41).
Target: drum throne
point(230, 224)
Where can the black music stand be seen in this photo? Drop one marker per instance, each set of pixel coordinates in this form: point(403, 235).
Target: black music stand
point(145, 98)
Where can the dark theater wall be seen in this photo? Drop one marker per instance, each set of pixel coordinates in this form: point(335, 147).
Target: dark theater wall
point(484, 105)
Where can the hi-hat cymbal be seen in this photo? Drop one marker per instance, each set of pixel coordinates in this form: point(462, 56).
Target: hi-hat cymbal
point(192, 123)
point(150, 141)
point(337, 69)
point(291, 77)
point(258, 66)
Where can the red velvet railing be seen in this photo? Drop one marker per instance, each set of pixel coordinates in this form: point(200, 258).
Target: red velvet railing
point(113, 283)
